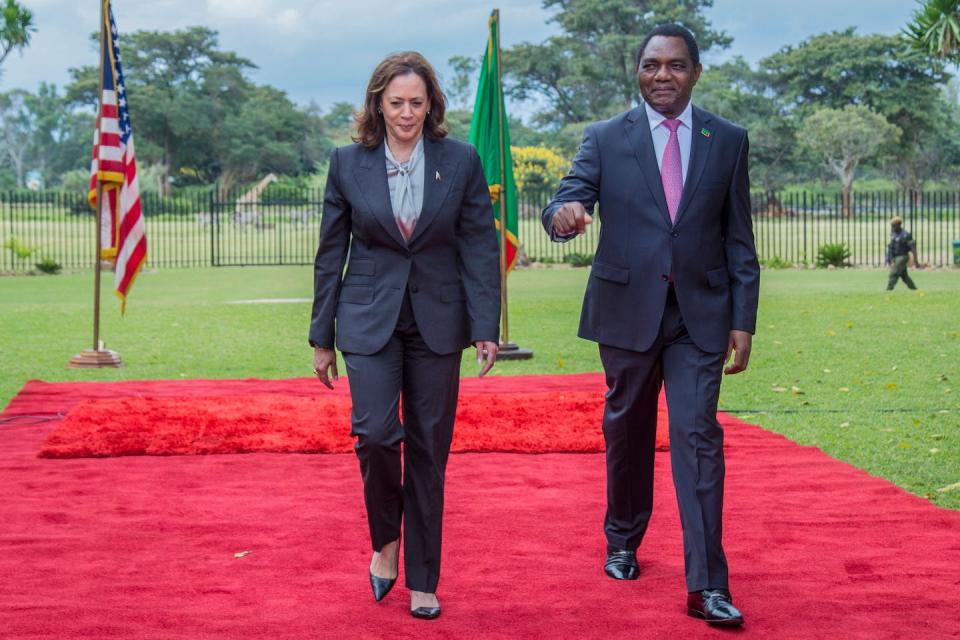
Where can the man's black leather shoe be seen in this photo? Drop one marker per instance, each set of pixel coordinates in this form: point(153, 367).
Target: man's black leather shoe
point(715, 606)
point(621, 564)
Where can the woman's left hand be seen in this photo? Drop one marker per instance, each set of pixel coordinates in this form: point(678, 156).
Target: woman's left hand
point(486, 355)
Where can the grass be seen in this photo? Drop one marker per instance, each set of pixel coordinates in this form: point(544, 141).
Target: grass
point(869, 376)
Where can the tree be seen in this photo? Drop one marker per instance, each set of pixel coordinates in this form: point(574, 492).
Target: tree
point(589, 70)
point(935, 29)
point(735, 91)
point(40, 134)
point(16, 28)
point(15, 132)
point(60, 137)
point(845, 137)
point(338, 123)
point(195, 112)
point(463, 87)
point(458, 124)
point(842, 68)
point(340, 116)
point(180, 86)
point(268, 134)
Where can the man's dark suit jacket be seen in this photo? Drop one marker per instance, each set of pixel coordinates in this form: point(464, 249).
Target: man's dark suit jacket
point(450, 265)
point(709, 251)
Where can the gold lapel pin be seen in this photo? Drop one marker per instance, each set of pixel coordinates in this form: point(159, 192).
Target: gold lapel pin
point(438, 177)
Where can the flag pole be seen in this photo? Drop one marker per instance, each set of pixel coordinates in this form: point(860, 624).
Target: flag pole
point(508, 350)
point(97, 357)
point(504, 315)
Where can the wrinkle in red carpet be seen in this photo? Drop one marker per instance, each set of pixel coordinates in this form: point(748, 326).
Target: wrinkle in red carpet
point(144, 547)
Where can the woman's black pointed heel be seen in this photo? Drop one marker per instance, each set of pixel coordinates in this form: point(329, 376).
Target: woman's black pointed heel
point(382, 586)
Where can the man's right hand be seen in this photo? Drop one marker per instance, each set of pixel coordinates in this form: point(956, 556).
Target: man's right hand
point(570, 218)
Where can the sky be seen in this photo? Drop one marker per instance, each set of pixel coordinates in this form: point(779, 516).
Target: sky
point(323, 51)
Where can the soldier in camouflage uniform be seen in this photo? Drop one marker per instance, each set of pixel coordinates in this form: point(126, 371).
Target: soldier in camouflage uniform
point(898, 251)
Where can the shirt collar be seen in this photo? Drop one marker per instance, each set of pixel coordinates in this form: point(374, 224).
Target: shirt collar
point(656, 118)
point(414, 156)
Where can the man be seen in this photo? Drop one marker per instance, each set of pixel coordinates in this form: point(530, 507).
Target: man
point(672, 292)
point(898, 252)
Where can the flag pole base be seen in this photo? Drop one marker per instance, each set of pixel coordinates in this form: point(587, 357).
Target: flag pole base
point(95, 359)
point(510, 351)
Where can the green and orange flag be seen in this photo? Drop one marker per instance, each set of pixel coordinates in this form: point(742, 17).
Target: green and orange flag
point(490, 134)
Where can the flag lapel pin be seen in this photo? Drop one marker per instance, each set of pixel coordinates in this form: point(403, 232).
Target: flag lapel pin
point(706, 133)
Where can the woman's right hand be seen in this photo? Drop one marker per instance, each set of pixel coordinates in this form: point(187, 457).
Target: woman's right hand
point(325, 366)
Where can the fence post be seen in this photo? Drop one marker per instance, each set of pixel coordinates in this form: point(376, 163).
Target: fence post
point(214, 221)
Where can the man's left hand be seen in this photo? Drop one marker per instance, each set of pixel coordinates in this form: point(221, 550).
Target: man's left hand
point(486, 355)
point(739, 343)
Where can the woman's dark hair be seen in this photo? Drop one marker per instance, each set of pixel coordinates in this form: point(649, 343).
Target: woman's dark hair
point(370, 126)
point(672, 31)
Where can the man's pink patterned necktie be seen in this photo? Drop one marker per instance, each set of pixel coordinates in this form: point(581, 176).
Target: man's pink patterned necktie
point(671, 173)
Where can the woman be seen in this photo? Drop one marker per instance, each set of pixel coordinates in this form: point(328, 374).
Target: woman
point(411, 211)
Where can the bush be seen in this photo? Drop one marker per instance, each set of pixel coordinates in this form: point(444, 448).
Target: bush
point(833, 255)
point(76, 181)
point(537, 168)
point(579, 259)
point(776, 262)
point(49, 265)
point(18, 248)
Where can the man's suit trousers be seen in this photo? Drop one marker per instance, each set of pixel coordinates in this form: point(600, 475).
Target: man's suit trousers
point(692, 381)
point(411, 492)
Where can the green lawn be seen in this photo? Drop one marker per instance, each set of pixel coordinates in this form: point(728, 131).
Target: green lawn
point(868, 376)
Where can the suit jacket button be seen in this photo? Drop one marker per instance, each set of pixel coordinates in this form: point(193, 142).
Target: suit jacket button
point(413, 288)
point(664, 277)
point(675, 234)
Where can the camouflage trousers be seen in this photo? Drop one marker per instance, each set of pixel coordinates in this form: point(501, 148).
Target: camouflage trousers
point(899, 270)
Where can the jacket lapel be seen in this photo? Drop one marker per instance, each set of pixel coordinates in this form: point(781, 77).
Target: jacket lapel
point(371, 176)
point(638, 133)
point(438, 175)
point(699, 151)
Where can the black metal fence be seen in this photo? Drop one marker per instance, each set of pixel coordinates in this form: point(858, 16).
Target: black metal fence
point(282, 227)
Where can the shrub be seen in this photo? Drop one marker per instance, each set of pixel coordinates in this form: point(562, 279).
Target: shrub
point(543, 260)
point(49, 265)
point(776, 262)
point(579, 259)
point(76, 181)
point(834, 254)
point(537, 168)
point(18, 248)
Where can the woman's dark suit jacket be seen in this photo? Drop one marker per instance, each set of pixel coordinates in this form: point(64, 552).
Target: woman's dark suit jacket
point(450, 265)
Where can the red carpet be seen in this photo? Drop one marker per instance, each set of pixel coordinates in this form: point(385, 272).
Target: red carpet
point(143, 547)
point(522, 414)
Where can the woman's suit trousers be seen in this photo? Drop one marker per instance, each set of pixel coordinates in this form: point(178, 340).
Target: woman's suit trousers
point(403, 462)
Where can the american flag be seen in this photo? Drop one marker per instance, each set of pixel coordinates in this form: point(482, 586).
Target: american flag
point(114, 165)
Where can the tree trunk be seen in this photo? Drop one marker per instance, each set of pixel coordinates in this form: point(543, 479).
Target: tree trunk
point(847, 177)
point(847, 209)
point(774, 207)
point(165, 173)
point(18, 169)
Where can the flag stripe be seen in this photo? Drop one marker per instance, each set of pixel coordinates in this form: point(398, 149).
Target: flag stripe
point(110, 154)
